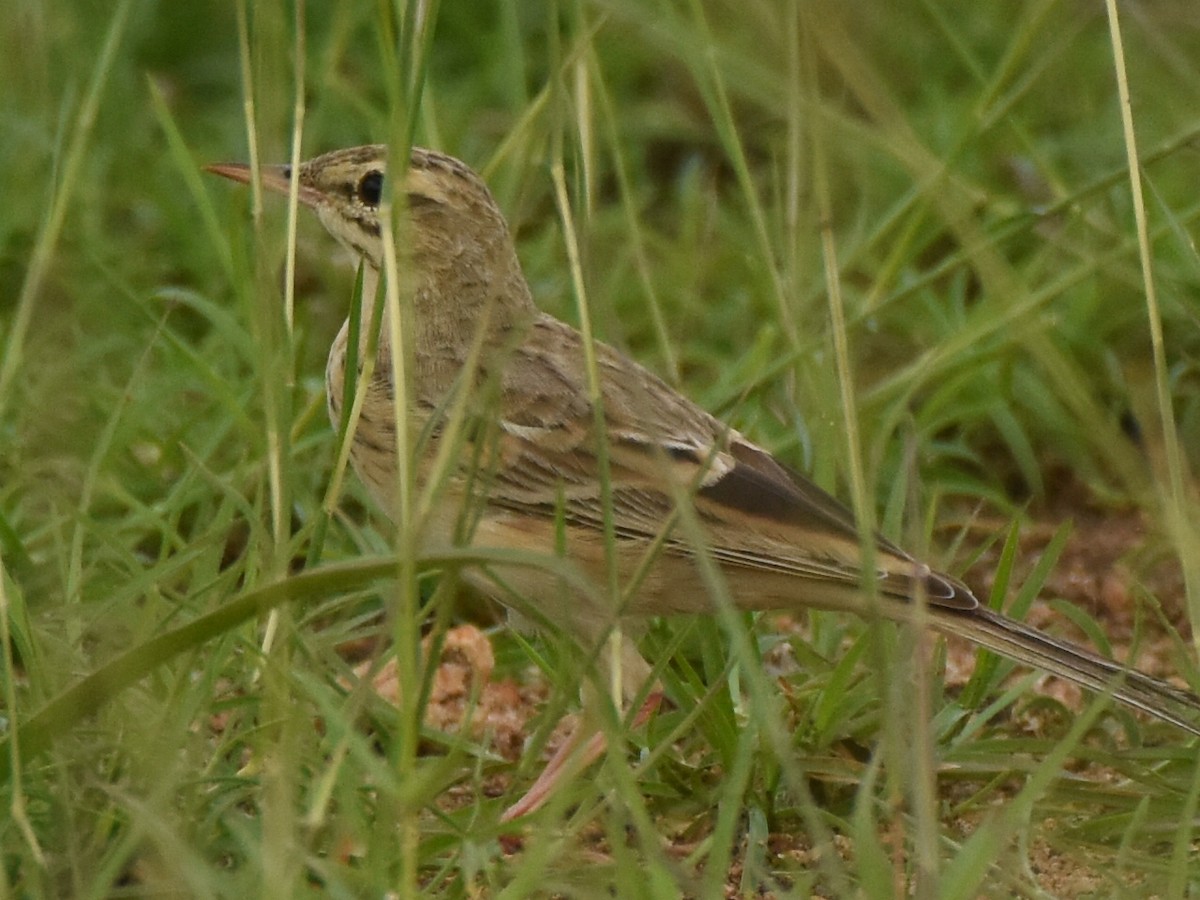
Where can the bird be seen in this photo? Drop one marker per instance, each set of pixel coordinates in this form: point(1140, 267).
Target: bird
point(619, 471)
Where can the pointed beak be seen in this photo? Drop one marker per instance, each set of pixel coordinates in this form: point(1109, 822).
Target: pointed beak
point(277, 179)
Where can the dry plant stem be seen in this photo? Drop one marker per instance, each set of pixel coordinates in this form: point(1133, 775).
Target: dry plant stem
point(1183, 526)
point(504, 405)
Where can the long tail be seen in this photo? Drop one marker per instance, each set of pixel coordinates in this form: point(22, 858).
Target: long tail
point(1013, 640)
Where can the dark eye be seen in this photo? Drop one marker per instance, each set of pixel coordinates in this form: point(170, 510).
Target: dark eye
point(370, 189)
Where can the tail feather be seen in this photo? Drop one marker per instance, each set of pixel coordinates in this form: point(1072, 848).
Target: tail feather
point(1014, 640)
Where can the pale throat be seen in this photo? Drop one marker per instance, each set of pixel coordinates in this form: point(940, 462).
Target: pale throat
point(441, 317)
point(454, 283)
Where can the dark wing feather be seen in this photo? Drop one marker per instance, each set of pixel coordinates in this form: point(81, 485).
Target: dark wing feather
point(759, 514)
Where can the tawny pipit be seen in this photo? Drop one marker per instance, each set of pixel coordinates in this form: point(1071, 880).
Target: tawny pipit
point(530, 470)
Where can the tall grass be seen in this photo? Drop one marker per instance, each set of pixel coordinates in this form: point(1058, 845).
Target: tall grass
point(898, 247)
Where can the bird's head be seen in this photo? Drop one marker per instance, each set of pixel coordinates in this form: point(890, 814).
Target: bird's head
point(447, 202)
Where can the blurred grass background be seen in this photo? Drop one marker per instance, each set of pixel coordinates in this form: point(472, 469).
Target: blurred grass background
point(164, 448)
